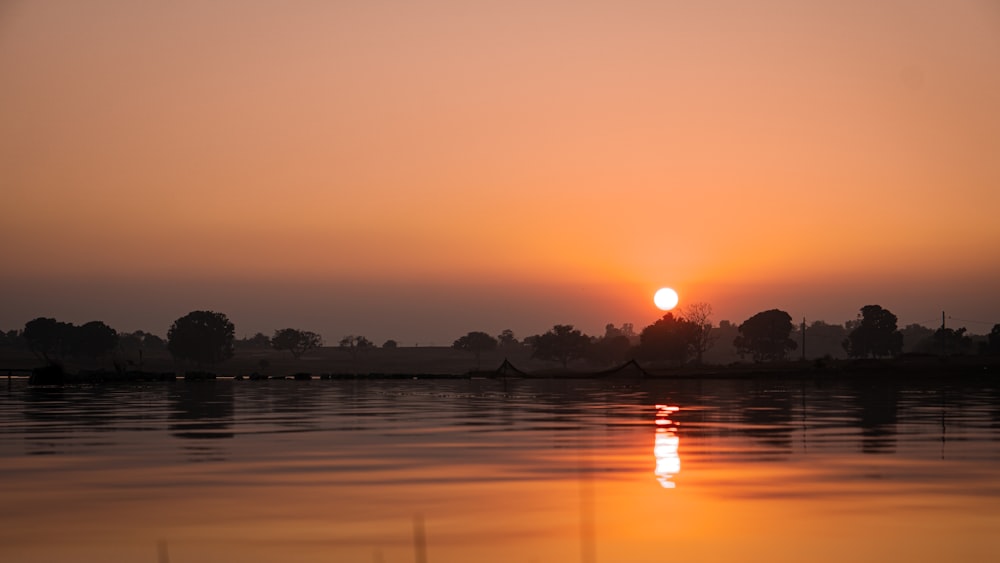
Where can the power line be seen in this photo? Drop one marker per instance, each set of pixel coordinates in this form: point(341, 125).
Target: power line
point(972, 321)
point(924, 323)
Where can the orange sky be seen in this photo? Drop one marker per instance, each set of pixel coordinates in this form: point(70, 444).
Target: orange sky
point(416, 170)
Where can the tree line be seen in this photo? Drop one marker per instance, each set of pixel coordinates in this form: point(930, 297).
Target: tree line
point(684, 338)
point(208, 337)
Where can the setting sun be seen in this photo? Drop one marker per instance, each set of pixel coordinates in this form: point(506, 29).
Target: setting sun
point(665, 299)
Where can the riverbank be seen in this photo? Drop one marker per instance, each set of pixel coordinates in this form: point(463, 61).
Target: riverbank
point(631, 371)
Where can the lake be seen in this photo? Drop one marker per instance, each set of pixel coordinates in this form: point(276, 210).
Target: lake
point(864, 469)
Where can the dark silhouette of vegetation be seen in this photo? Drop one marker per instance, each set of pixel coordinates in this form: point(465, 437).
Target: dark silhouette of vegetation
point(354, 345)
point(53, 341)
point(700, 315)
point(140, 340)
point(47, 338)
point(203, 337)
point(671, 338)
point(93, 340)
point(992, 345)
point(296, 341)
point(477, 343)
point(823, 340)
point(561, 344)
point(507, 340)
point(951, 342)
point(258, 341)
point(874, 334)
point(627, 330)
point(917, 338)
point(764, 336)
point(611, 349)
point(11, 339)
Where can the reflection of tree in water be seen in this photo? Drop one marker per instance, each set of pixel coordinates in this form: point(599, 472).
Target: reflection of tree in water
point(43, 409)
point(995, 412)
point(201, 411)
point(58, 416)
point(291, 405)
point(877, 414)
point(767, 416)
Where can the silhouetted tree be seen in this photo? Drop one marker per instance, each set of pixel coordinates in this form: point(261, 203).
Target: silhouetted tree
point(48, 338)
point(875, 334)
point(506, 339)
point(670, 338)
point(296, 341)
point(725, 352)
point(992, 344)
point(258, 341)
point(355, 345)
point(700, 314)
point(390, 344)
point(11, 339)
point(765, 336)
point(477, 343)
point(152, 341)
point(823, 340)
point(137, 342)
point(627, 330)
point(917, 338)
point(93, 340)
point(204, 337)
point(612, 348)
point(562, 344)
point(948, 341)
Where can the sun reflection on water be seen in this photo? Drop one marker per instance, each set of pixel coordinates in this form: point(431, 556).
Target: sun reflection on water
point(668, 462)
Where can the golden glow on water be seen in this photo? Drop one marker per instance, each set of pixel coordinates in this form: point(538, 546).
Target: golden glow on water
point(665, 447)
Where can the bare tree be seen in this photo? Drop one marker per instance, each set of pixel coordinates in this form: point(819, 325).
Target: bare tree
point(701, 315)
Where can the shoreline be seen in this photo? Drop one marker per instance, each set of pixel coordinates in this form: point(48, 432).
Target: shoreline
point(631, 371)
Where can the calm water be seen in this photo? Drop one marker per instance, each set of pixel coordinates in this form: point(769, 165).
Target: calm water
point(467, 471)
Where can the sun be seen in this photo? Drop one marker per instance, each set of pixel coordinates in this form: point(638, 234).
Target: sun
point(665, 298)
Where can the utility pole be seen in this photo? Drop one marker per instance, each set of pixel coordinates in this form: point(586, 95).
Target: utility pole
point(944, 337)
point(803, 339)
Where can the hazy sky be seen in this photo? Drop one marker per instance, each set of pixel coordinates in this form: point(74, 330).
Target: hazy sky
point(416, 170)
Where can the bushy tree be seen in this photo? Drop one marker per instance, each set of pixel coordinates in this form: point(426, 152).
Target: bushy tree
point(54, 340)
point(612, 348)
point(506, 339)
point(296, 341)
point(916, 338)
point(477, 343)
point(10, 338)
point(992, 344)
point(258, 341)
point(949, 341)
point(874, 334)
point(670, 338)
point(47, 338)
point(138, 341)
point(764, 336)
point(390, 344)
point(93, 340)
point(204, 337)
point(562, 344)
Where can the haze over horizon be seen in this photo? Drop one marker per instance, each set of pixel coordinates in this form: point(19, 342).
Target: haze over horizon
point(418, 170)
